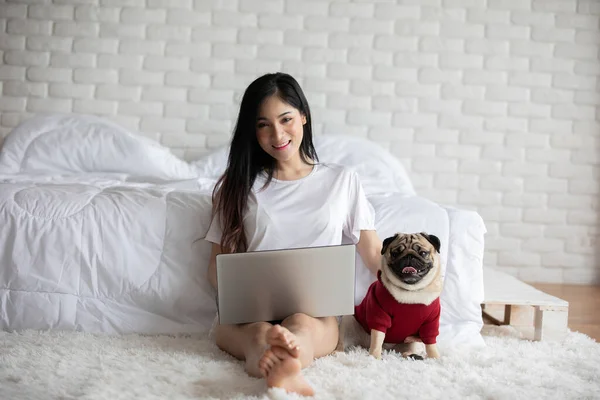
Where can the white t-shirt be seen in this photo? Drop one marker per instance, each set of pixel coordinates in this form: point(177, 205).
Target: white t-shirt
point(326, 207)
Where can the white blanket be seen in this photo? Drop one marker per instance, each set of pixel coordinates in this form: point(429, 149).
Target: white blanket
point(102, 230)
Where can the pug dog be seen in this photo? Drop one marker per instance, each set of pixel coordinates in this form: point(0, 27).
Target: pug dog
point(402, 307)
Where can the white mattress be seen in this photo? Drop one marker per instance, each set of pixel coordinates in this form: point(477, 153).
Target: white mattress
point(102, 230)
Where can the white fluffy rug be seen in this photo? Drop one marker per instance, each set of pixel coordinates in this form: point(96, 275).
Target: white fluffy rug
point(68, 365)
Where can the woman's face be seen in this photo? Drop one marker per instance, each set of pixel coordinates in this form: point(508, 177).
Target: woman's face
point(279, 129)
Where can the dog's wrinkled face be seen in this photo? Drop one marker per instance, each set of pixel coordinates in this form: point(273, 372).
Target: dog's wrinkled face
point(411, 259)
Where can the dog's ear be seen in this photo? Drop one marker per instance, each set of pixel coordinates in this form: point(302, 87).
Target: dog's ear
point(387, 242)
point(434, 240)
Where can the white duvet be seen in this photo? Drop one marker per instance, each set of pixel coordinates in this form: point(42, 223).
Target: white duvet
point(101, 230)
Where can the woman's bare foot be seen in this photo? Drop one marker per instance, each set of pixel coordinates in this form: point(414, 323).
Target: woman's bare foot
point(282, 370)
point(281, 337)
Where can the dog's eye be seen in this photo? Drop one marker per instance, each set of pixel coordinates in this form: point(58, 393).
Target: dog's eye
point(394, 253)
point(423, 253)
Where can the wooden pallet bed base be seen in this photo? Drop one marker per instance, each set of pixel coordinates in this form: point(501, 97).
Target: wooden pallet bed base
point(509, 301)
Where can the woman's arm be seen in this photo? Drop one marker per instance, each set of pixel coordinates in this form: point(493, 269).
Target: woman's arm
point(369, 248)
point(211, 273)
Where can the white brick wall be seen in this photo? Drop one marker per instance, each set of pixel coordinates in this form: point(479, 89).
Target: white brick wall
point(492, 105)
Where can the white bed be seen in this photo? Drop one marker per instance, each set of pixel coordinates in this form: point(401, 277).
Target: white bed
point(102, 230)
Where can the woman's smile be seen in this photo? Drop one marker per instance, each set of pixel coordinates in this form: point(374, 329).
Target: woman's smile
point(283, 146)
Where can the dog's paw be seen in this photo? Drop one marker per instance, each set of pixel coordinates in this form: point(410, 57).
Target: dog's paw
point(376, 354)
point(432, 351)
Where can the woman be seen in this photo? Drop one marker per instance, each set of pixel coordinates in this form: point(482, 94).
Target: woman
point(274, 194)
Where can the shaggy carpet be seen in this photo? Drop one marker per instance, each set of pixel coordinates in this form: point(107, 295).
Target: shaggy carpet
point(70, 365)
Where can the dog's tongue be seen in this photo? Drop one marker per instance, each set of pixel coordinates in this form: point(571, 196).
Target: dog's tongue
point(409, 270)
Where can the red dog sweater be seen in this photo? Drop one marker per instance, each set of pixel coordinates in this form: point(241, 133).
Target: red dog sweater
point(381, 311)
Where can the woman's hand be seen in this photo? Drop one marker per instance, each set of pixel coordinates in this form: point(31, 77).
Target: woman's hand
point(369, 247)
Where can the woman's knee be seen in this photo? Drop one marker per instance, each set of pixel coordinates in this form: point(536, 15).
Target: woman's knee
point(299, 320)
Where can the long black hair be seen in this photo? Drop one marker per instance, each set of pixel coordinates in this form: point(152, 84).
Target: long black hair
point(247, 159)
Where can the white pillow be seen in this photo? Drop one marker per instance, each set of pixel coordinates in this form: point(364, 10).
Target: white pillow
point(213, 164)
point(379, 171)
point(59, 143)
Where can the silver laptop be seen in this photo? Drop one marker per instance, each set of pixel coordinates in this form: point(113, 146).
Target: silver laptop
point(272, 285)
